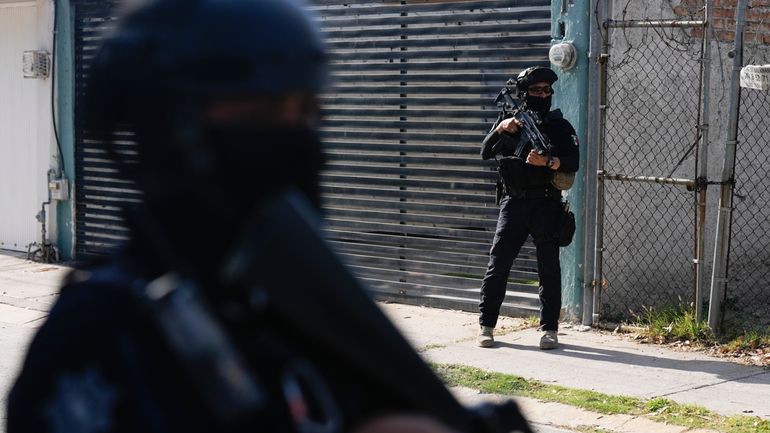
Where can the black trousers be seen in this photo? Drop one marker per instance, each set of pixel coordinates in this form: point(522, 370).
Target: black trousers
point(520, 217)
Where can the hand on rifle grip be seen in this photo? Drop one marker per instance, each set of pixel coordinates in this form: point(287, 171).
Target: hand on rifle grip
point(510, 125)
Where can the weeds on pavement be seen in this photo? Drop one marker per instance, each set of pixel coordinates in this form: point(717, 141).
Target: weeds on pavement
point(677, 325)
point(661, 410)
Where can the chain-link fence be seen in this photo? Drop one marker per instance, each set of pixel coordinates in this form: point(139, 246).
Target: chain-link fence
point(747, 297)
point(649, 168)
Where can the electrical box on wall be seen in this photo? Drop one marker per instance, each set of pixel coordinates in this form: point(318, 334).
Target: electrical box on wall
point(59, 189)
point(563, 55)
point(36, 64)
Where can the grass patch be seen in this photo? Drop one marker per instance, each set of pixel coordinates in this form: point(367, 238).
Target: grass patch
point(678, 324)
point(745, 424)
point(664, 410)
point(750, 340)
point(532, 321)
point(506, 384)
point(431, 346)
point(659, 409)
point(591, 429)
point(675, 323)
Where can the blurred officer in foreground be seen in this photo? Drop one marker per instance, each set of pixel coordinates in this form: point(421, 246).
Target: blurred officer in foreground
point(536, 149)
point(225, 311)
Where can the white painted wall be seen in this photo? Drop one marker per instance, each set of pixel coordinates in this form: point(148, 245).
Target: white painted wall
point(25, 123)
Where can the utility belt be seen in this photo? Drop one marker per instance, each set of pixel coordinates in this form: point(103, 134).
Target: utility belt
point(545, 191)
point(518, 180)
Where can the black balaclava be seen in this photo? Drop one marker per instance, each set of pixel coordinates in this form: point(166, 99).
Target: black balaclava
point(530, 76)
point(201, 184)
point(538, 104)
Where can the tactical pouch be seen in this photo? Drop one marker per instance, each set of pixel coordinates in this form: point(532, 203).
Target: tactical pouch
point(565, 225)
point(563, 181)
point(513, 173)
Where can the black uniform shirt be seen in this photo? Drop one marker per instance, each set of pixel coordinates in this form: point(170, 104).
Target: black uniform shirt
point(563, 139)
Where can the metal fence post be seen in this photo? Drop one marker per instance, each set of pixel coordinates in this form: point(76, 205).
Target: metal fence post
point(598, 276)
point(724, 216)
point(701, 184)
point(595, 61)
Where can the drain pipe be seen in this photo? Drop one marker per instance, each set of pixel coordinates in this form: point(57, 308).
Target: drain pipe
point(45, 251)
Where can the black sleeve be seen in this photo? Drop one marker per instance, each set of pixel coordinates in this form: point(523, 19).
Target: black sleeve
point(568, 150)
point(85, 353)
point(495, 143)
point(65, 361)
point(488, 145)
point(100, 346)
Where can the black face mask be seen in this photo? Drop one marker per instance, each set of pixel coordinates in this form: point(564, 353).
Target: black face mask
point(199, 194)
point(248, 165)
point(536, 103)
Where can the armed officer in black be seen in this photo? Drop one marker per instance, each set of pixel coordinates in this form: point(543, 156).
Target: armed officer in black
point(225, 311)
point(530, 203)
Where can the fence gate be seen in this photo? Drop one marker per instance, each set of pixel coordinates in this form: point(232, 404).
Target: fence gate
point(410, 205)
point(649, 184)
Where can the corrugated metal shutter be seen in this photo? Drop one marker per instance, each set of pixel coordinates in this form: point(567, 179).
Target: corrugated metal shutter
point(99, 193)
point(410, 205)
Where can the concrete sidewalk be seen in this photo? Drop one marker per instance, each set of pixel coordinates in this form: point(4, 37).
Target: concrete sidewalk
point(27, 291)
point(592, 360)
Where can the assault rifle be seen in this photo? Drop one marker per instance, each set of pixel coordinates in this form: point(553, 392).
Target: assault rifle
point(329, 309)
point(529, 120)
point(531, 138)
point(291, 275)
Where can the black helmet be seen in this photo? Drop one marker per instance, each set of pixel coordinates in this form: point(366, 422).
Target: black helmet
point(534, 74)
point(167, 65)
point(205, 48)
